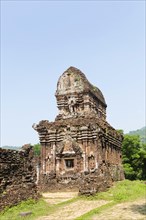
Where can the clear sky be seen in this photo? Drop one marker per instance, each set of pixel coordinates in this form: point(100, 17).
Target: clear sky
point(41, 39)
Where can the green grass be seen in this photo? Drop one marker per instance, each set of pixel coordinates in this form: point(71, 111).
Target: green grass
point(121, 192)
point(96, 211)
point(39, 208)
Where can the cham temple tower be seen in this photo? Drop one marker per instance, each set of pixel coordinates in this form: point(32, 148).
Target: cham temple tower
point(80, 149)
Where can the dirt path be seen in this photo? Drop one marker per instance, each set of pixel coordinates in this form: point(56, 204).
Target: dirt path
point(57, 197)
point(125, 211)
point(69, 211)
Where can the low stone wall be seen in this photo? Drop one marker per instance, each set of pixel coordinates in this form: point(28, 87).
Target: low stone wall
point(17, 176)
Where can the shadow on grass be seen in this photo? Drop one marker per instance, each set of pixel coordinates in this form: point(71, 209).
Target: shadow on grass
point(141, 209)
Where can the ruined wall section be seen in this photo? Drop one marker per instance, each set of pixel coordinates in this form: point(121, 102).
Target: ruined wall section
point(17, 176)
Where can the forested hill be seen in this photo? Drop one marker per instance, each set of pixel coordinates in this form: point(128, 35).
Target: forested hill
point(141, 132)
point(11, 147)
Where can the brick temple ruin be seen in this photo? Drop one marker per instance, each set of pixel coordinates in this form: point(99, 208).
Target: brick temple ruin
point(80, 149)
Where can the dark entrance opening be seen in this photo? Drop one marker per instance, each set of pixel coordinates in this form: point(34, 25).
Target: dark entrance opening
point(69, 163)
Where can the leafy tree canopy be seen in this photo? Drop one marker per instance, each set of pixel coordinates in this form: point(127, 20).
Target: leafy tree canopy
point(134, 157)
point(37, 149)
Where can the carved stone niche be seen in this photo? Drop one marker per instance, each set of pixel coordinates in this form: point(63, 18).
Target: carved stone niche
point(91, 163)
point(68, 152)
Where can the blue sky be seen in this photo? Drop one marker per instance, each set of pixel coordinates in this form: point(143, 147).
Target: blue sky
point(41, 39)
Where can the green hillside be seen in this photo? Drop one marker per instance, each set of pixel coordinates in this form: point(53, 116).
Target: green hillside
point(141, 132)
point(11, 147)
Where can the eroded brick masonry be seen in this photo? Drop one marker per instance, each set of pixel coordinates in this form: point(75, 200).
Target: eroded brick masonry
point(80, 148)
point(17, 176)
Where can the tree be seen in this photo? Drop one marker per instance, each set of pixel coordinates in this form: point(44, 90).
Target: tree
point(134, 157)
point(37, 149)
point(143, 162)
